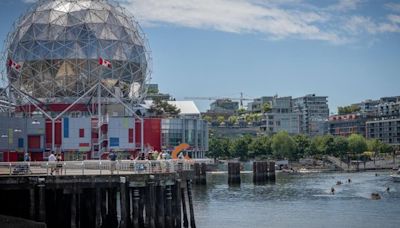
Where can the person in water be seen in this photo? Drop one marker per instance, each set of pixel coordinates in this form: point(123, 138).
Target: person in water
point(349, 180)
point(333, 191)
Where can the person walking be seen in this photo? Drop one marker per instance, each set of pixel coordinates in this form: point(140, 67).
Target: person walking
point(59, 164)
point(27, 157)
point(113, 157)
point(52, 160)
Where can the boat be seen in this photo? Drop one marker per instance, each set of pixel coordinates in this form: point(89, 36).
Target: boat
point(304, 170)
point(396, 177)
point(289, 171)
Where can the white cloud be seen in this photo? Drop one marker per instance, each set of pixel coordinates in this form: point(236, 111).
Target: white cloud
point(237, 16)
point(394, 18)
point(345, 5)
point(274, 19)
point(393, 6)
point(359, 24)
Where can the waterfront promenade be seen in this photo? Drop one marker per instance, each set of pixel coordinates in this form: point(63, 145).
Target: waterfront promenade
point(360, 166)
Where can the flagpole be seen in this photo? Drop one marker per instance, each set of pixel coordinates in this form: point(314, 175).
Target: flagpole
point(99, 115)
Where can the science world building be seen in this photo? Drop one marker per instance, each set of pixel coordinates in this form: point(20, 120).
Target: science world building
point(74, 82)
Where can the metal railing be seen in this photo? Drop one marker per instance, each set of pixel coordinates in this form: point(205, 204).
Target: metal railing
point(97, 167)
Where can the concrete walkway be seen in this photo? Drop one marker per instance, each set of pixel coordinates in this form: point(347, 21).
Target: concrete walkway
point(379, 164)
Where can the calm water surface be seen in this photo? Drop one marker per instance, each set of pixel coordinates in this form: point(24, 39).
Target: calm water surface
point(299, 201)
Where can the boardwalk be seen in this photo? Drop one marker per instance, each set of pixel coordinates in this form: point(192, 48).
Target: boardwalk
point(97, 167)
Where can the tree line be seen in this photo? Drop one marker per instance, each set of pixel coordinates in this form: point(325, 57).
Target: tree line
point(284, 146)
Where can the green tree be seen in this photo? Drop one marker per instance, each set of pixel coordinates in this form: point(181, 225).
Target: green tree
point(163, 108)
point(249, 118)
point(241, 111)
point(266, 107)
point(218, 148)
point(240, 147)
point(375, 146)
point(302, 145)
point(152, 90)
point(207, 118)
point(348, 109)
point(341, 146)
point(220, 119)
point(283, 146)
point(260, 147)
point(257, 117)
point(316, 147)
point(357, 144)
point(233, 119)
point(328, 145)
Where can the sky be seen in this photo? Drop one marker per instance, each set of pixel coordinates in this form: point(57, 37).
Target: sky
point(348, 50)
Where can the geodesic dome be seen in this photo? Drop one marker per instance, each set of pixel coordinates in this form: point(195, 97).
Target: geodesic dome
point(58, 43)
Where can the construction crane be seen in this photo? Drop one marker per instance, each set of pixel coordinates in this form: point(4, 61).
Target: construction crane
point(241, 98)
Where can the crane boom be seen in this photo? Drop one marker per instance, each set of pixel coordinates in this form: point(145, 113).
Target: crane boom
point(217, 98)
point(241, 98)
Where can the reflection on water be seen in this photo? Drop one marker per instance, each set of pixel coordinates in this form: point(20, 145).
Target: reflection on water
point(298, 201)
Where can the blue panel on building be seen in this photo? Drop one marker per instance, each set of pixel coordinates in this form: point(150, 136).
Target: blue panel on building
point(66, 128)
point(114, 142)
point(20, 142)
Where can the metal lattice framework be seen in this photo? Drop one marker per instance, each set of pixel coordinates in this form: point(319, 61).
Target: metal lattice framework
point(58, 44)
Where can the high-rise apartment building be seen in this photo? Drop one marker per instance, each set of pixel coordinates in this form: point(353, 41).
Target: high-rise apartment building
point(281, 116)
point(314, 112)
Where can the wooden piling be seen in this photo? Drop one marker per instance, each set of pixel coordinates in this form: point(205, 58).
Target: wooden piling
point(233, 173)
point(98, 207)
point(42, 203)
point(78, 208)
point(124, 204)
point(260, 172)
point(73, 210)
point(160, 222)
point(135, 208)
point(87, 213)
point(271, 172)
point(141, 207)
point(112, 208)
point(191, 210)
point(168, 207)
point(265, 165)
point(197, 173)
point(173, 205)
point(150, 204)
point(32, 204)
point(184, 210)
point(103, 208)
point(203, 176)
point(178, 211)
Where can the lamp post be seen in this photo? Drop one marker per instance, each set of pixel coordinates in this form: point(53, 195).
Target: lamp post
point(5, 136)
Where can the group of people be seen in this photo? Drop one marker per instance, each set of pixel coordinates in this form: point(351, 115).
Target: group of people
point(55, 162)
point(143, 156)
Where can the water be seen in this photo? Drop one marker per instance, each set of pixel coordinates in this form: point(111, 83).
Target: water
point(299, 201)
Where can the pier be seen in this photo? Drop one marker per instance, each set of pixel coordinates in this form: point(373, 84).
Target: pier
point(100, 193)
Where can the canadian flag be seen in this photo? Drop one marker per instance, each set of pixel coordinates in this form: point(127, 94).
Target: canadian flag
point(14, 65)
point(105, 63)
